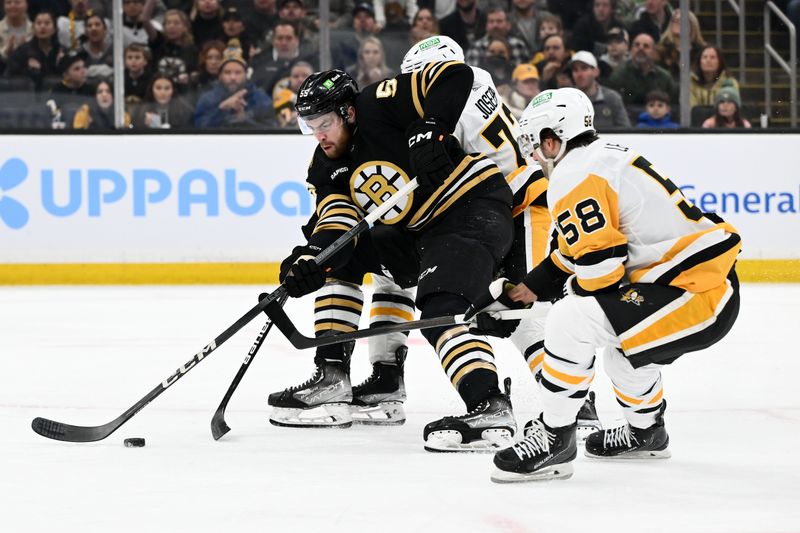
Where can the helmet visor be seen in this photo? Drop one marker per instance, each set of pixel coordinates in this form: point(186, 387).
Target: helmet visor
point(321, 123)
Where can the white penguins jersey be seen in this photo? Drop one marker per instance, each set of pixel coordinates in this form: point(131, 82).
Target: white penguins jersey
point(487, 126)
point(617, 217)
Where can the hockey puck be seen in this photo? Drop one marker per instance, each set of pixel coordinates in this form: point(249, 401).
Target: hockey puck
point(136, 442)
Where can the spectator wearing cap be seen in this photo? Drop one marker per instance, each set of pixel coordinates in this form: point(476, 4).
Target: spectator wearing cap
point(15, 27)
point(38, 58)
point(591, 30)
point(617, 51)
point(640, 75)
point(295, 12)
point(73, 91)
point(285, 113)
point(174, 52)
point(525, 80)
point(609, 111)
point(73, 26)
point(727, 111)
point(657, 113)
point(138, 25)
point(554, 62)
point(233, 102)
point(275, 62)
point(233, 27)
point(709, 75)
point(346, 43)
point(206, 19)
point(652, 18)
point(465, 25)
point(498, 27)
point(259, 18)
point(98, 50)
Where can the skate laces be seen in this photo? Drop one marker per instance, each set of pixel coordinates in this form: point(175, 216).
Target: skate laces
point(536, 442)
point(619, 436)
point(307, 382)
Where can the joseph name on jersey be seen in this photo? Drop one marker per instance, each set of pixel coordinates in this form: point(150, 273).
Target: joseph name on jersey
point(487, 126)
point(617, 218)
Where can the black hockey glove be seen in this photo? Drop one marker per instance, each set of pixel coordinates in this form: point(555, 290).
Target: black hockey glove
point(304, 277)
point(428, 143)
point(297, 253)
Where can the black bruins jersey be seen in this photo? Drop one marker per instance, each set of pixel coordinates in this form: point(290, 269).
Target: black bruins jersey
point(377, 164)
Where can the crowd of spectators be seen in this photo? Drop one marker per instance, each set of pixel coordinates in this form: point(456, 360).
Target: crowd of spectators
point(239, 63)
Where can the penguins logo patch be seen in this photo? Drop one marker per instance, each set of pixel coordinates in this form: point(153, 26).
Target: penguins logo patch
point(632, 296)
point(375, 182)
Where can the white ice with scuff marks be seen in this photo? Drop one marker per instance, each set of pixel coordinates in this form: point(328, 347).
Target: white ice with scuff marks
point(83, 355)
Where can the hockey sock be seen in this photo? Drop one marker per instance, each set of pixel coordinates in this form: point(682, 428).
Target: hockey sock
point(390, 305)
point(565, 384)
point(337, 308)
point(467, 359)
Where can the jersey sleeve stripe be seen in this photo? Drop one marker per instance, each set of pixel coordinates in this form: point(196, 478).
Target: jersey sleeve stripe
point(415, 93)
point(562, 262)
point(598, 256)
point(434, 74)
point(533, 189)
point(601, 282)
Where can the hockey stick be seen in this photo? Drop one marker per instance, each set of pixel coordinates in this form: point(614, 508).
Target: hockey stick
point(218, 425)
point(67, 432)
point(301, 342)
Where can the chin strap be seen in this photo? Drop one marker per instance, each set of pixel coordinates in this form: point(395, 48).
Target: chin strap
point(549, 164)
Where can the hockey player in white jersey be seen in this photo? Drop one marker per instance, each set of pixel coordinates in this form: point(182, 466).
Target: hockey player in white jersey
point(485, 126)
point(649, 278)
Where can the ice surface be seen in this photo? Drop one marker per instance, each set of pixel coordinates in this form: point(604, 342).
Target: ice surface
point(83, 355)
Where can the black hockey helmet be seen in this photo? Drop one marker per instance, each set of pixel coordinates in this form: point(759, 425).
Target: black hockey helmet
point(326, 91)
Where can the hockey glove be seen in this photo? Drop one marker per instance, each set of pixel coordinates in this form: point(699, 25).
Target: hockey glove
point(428, 152)
point(304, 277)
point(495, 299)
point(297, 252)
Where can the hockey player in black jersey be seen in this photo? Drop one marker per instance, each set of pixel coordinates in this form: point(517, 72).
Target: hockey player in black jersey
point(447, 237)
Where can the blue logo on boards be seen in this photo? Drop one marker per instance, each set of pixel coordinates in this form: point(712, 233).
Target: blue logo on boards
point(197, 192)
point(12, 213)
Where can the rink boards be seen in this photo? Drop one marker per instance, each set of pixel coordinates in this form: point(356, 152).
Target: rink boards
point(177, 209)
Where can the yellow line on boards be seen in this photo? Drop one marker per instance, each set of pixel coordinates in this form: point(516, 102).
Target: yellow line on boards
point(749, 270)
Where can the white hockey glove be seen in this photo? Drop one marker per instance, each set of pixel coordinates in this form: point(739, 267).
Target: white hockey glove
point(484, 313)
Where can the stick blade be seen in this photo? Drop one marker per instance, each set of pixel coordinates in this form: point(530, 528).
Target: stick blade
point(69, 433)
point(218, 426)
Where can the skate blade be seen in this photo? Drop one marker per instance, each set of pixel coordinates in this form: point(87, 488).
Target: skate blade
point(562, 471)
point(450, 441)
point(649, 454)
point(329, 415)
point(383, 414)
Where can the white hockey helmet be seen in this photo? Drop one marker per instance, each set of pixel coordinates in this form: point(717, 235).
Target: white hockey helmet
point(430, 50)
point(568, 112)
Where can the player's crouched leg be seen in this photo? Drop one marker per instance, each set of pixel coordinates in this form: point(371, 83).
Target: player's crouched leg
point(468, 361)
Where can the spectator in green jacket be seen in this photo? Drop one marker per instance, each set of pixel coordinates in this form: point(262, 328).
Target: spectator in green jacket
point(640, 75)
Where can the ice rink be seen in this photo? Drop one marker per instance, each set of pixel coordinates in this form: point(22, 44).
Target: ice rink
point(83, 355)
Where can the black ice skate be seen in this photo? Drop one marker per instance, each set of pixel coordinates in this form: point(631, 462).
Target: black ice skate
point(379, 399)
point(322, 401)
point(628, 442)
point(588, 422)
point(487, 428)
point(544, 454)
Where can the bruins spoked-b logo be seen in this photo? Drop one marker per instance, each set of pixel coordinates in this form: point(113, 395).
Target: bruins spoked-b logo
point(375, 182)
